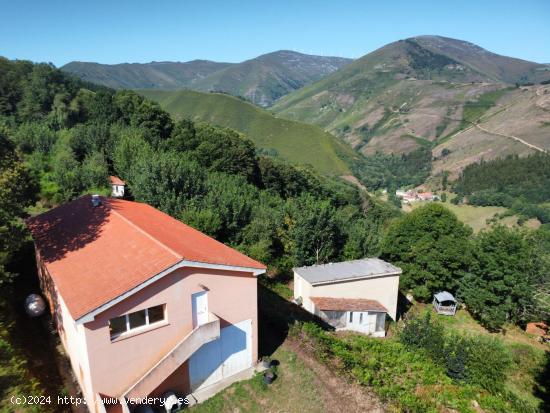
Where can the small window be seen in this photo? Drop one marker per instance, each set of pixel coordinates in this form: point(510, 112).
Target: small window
point(137, 319)
point(117, 325)
point(156, 314)
point(351, 316)
point(361, 318)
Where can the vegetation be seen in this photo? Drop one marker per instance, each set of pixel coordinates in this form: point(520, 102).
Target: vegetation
point(496, 273)
point(521, 184)
point(394, 171)
point(505, 272)
point(72, 138)
point(431, 246)
point(296, 142)
point(294, 390)
point(17, 191)
point(407, 376)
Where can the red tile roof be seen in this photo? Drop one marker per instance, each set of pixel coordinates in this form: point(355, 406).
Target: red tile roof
point(347, 304)
point(115, 180)
point(95, 254)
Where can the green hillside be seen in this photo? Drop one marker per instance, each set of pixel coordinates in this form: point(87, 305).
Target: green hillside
point(295, 141)
point(420, 92)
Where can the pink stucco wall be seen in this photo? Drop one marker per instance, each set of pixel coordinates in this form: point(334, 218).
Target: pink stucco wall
point(114, 366)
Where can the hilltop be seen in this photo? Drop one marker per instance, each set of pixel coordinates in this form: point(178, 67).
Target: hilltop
point(294, 141)
point(261, 80)
point(412, 93)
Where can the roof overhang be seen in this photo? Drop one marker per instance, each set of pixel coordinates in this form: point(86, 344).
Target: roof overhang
point(86, 318)
point(341, 280)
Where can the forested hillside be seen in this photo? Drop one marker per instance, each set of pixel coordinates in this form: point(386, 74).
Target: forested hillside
point(293, 141)
point(71, 138)
point(522, 184)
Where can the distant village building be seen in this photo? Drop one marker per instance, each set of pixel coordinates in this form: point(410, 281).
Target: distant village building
point(117, 187)
point(411, 196)
point(352, 295)
point(426, 196)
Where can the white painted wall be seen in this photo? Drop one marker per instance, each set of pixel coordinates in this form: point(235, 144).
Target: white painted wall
point(74, 341)
point(117, 190)
point(382, 289)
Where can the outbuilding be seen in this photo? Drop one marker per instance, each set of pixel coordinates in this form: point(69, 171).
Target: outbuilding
point(352, 295)
point(117, 187)
point(444, 303)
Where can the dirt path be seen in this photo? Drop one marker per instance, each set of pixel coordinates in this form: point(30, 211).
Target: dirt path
point(530, 145)
point(340, 395)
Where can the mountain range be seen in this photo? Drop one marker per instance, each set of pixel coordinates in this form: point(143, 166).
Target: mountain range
point(421, 91)
point(261, 80)
point(454, 97)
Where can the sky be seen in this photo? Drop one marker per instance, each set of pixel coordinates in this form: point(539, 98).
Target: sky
point(119, 31)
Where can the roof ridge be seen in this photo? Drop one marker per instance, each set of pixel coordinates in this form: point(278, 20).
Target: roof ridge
point(136, 226)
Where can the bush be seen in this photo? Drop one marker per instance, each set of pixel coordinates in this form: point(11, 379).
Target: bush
point(406, 376)
point(487, 362)
point(476, 360)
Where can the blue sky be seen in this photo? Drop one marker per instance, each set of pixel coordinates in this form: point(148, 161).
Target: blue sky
point(141, 31)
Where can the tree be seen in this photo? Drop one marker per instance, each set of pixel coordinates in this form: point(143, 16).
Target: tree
point(166, 180)
point(18, 189)
point(66, 173)
point(431, 246)
point(500, 285)
point(95, 171)
point(313, 234)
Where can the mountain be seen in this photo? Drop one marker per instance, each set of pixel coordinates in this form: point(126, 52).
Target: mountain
point(154, 75)
point(497, 67)
point(294, 141)
point(410, 93)
point(266, 78)
point(261, 80)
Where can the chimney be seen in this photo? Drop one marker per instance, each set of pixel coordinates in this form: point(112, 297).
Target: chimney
point(96, 201)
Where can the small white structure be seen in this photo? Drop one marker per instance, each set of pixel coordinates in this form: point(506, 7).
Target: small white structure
point(352, 295)
point(444, 303)
point(400, 193)
point(117, 187)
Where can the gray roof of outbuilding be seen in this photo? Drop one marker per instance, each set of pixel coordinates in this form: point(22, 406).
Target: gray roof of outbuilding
point(444, 296)
point(347, 270)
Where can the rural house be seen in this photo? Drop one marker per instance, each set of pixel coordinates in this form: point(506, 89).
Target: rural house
point(143, 303)
point(351, 295)
point(117, 187)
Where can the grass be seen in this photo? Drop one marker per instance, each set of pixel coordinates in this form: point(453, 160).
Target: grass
point(474, 216)
point(407, 380)
point(297, 142)
point(474, 110)
point(530, 357)
point(294, 390)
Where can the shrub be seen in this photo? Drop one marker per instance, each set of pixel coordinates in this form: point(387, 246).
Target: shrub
point(487, 362)
point(476, 360)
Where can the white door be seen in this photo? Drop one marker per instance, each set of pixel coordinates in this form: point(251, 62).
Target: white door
point(222, 358)
point(371, 322)
point(200, 308)
point(236, 347)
